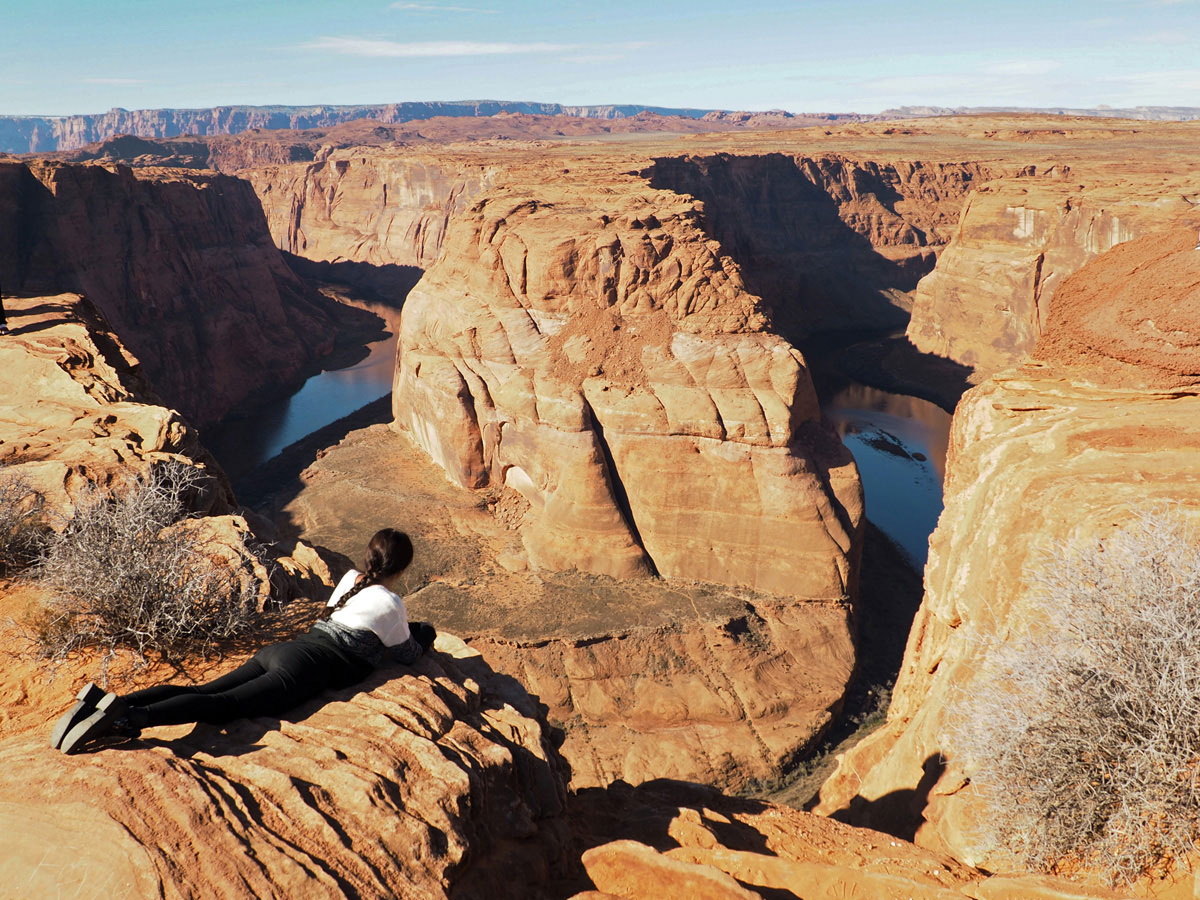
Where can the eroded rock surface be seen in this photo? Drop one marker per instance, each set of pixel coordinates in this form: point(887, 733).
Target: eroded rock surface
point(75, 412)
point(1104, 422)
point(988, 300)
point(606, 362)
point(180, 264)
point(431, 781)
point(679, 840)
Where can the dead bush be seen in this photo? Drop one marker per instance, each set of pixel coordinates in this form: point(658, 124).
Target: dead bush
point(1083, 737)
point(22, 525)
point(131, 570)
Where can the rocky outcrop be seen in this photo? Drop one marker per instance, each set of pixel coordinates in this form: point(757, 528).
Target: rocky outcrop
point(608, 364)
point(987, 302)
point(1102, 423)
point(182, 267)
point(679, 840)
point(431, 781)
point(830, 242)
point(75, 412)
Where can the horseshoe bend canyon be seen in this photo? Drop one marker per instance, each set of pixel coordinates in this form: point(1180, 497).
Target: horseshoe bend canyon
point(680, 651)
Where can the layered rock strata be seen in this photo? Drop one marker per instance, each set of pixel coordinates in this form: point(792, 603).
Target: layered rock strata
point(181, 265)
point(76, 413)
point(988, 300)
point(832, 243)
point(382, 209)
point(424, 782)
point(1104, 421)
point(609, 365)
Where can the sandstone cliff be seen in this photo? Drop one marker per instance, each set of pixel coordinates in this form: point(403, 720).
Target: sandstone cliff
point(1103, 421)
point(606, 362)
point(382, 209)
point(76, 412)
point(182, 267)
point(831, 242)
point(987, 301)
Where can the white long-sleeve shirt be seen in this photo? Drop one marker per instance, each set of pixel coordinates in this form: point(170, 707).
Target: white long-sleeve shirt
point(374, 608)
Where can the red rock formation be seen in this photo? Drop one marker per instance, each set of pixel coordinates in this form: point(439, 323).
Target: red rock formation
point(182, 267)
point(431, 781)
point(988, 300)
point(75, 412)
point(832, 243)
point(608, 364)
point(672, 840)
point(1102, 422)
point(382, 209)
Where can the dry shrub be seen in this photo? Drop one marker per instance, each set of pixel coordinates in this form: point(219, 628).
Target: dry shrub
point(22, 525)
point(1084, 738)
point(131, 570)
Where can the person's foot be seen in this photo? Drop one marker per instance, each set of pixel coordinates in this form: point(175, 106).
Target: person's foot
point(3, 329)
point(99, 723)
point(85, 705)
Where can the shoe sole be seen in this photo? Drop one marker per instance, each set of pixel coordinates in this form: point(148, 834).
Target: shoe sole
point(86, 703)
point(99, 723)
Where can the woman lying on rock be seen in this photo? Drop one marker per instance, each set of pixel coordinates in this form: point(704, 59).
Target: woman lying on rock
point(365, 623)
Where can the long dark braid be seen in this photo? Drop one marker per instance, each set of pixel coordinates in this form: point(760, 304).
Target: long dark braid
point(388, 552)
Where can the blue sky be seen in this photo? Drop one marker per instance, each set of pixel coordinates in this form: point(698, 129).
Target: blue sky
point(66, 56)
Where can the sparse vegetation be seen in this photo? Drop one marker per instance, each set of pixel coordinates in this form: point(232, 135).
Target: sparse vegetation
point(22, 529)
point(131, 570)
point(1083, 736)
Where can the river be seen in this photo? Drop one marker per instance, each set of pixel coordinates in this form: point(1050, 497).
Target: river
point(242, 444)
point(899, 443)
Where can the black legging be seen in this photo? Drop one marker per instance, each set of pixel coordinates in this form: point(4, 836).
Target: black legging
point(274, 680)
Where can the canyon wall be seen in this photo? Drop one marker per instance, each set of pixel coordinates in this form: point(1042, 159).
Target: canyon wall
point(1103, 421)
point(831, 243)
point(39, 134)
point(368, 207)
point(181, 265)
point(987, 301)
point(76, 413)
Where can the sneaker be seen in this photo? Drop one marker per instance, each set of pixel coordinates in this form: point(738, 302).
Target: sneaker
point(85, 705)
point(99, 723)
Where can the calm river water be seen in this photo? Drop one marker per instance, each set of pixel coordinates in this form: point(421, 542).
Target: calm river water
point(899, 443)
point(240, 445)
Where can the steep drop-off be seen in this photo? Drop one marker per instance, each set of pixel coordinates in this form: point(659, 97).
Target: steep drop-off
point(76, 414)
point(1102, 422)
point(987, 302)
point(181, 265)
point(382, 209)
point(831, 243)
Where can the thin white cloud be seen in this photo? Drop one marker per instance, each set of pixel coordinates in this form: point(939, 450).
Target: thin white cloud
point(377, 48)
point(1021, 67)
point(114, 81)
point(434, 7)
